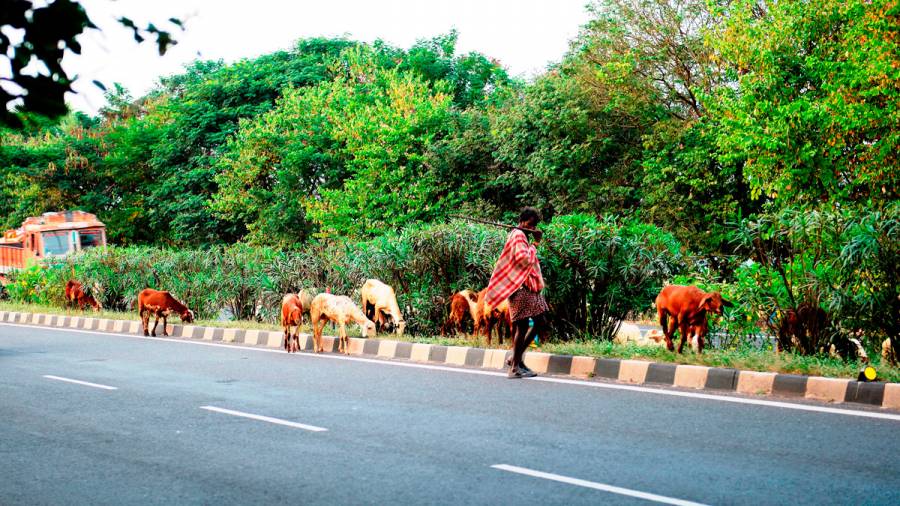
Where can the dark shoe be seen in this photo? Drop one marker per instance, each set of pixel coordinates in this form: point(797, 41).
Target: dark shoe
point(515, 373)
point(525, 368)
point(528, 373)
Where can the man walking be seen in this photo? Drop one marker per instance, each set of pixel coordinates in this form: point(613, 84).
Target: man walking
point(517, 276)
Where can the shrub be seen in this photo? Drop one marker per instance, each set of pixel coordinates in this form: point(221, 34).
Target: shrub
point(598, 270)
point(841, 260)
point(38, 284)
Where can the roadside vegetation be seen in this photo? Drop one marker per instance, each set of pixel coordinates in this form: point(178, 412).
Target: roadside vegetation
point(744, 358)
point(747, 147)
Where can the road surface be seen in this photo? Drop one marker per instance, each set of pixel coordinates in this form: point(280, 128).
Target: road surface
point(89, 418)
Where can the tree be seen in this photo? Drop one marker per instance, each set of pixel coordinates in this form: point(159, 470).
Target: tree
point(815, 113)
point(47, 33)
point(352, 151)
point(692, 190)
point(643, 54)
point(560, 152)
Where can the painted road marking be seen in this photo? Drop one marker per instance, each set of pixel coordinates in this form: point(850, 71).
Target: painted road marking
point(79, 382)
point(262, 418)
point(546, 379)
point(596, 486)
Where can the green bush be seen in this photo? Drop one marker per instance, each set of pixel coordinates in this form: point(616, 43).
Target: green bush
point(38, 284)
point(600, 270)
point(841, 260)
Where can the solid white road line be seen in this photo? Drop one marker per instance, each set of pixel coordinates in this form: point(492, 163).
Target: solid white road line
point(79, 382)
point(596, 486)
point(480, 372)
point(736, 400)
point(262, 418)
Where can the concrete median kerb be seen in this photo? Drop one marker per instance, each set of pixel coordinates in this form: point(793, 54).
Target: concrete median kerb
point(635, 372)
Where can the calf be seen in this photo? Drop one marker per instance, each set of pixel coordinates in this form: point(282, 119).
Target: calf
point(687, 307)
point(291, 314)
point(160, 304)
point(76, 296)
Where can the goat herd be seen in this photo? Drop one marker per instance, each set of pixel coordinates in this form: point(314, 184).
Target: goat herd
point(680, 308)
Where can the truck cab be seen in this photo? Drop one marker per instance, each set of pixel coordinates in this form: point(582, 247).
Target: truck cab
point(50, 235)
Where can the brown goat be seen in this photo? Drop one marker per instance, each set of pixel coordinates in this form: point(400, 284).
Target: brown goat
point(77, 297)
point(487, 318)
point(161, 304)
point(803, 328)
point(463, 304)
point(687, 306)
point(291, 314)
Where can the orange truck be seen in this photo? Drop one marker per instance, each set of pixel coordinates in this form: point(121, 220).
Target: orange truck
point(50, 235)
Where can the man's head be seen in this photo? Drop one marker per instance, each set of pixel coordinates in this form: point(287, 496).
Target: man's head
point(529, 217)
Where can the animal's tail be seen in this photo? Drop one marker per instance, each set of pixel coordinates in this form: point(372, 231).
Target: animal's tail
point(663, 319)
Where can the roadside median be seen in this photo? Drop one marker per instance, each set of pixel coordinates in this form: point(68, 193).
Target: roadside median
point(636, 372)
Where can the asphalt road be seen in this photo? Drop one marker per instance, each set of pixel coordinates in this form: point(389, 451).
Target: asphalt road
point(394, 434)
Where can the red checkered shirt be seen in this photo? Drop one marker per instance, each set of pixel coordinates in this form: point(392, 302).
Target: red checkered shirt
point(518, 266)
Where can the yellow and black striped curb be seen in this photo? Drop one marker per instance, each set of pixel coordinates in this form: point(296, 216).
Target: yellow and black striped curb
point(886, 395)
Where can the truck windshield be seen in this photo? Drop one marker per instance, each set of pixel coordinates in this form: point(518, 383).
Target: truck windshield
point(89, 239)
point(56, 243)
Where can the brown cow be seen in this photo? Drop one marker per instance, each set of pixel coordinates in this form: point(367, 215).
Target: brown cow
point(291, 314)
point(687, 306)
point(76, 296)
point(462, 304)
point(160, 304)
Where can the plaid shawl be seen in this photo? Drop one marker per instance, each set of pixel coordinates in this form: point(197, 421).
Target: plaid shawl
point(518, 265)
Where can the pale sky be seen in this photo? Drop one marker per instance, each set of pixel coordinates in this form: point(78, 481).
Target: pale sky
point(525, 35)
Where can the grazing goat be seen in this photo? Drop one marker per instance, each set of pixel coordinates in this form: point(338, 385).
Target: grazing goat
point(687, 306)
point(291, 314)
point(160, 304)
point(808, 329)
point(306, 299)
point(802, 328)
point(462, 304)
point(76, 296)
point(380, 304)
point(341, 310)
point(486, 318)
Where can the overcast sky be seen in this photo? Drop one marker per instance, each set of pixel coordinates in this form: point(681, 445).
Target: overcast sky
point(525, 35)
